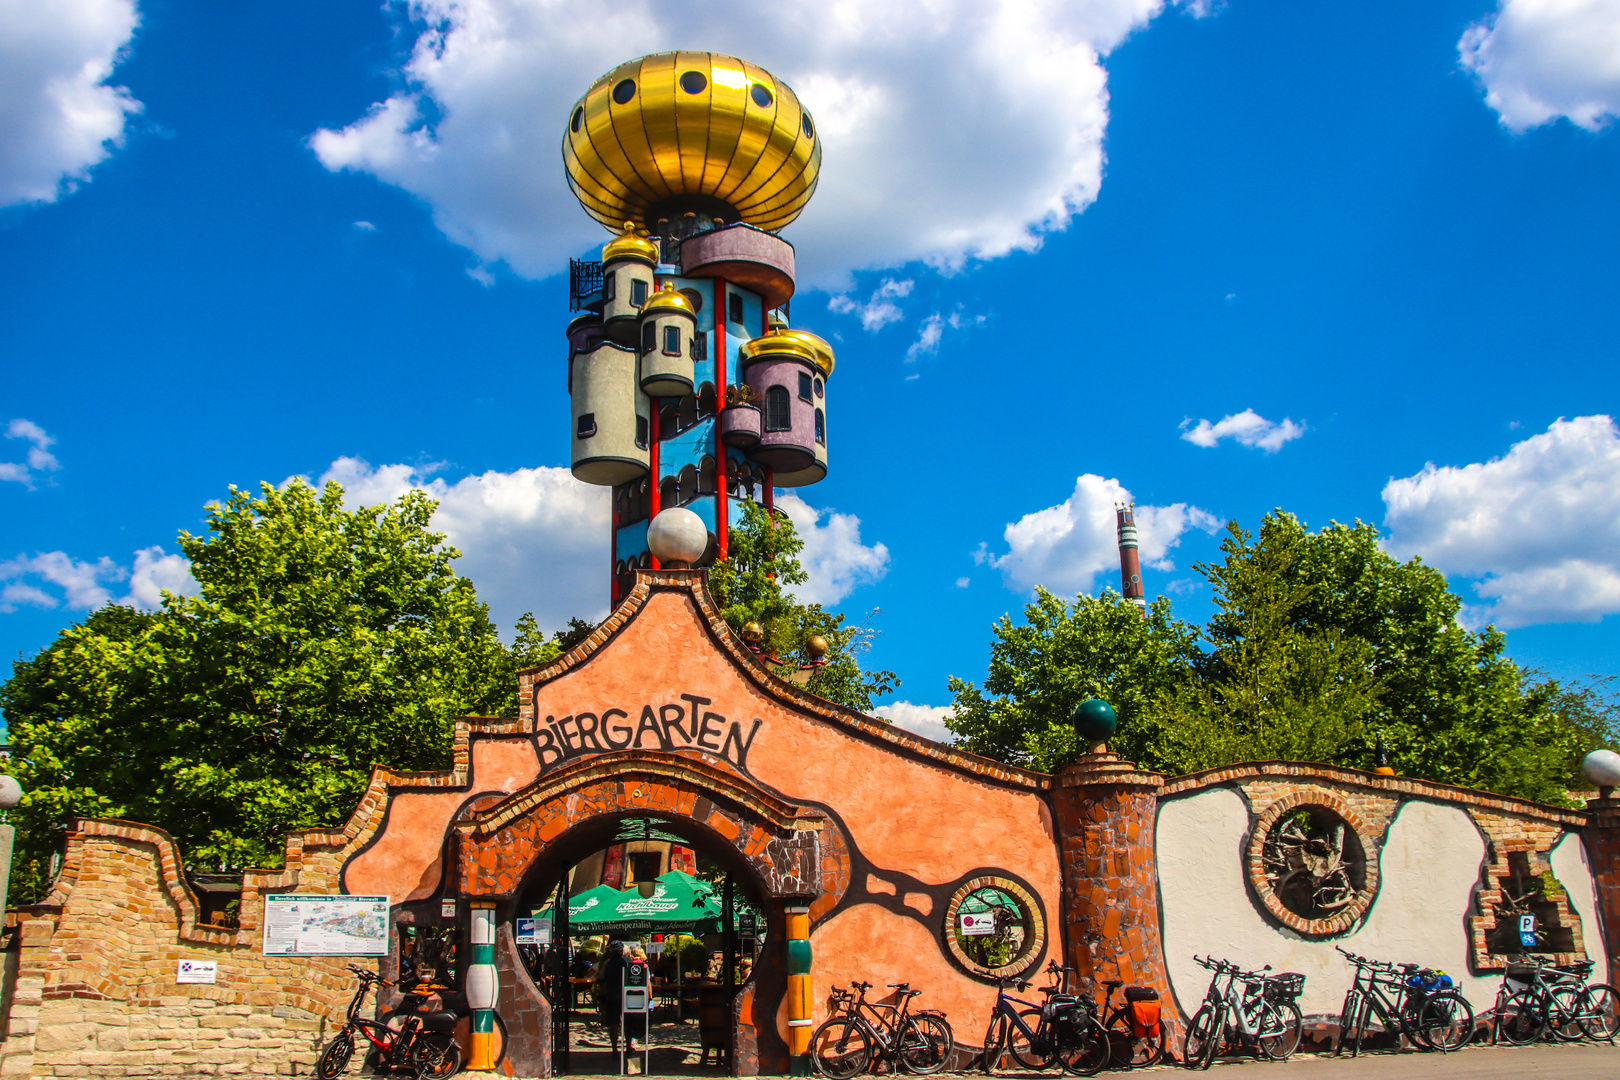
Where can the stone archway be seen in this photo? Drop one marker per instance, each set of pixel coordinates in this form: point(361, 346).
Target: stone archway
point(781, 845)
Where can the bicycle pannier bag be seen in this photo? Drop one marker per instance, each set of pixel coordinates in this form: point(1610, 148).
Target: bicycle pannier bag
point(1145, 1019)
point(1141, 993)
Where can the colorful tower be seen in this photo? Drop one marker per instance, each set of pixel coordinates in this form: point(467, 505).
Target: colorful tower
point(688, 387)
point(1130, 565)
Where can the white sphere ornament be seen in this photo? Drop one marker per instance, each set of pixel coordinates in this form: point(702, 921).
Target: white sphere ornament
point(10, 792)
point(677, 538)
point(1602, 767)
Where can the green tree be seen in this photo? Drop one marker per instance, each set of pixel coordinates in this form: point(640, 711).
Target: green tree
point(1063, 654)
point(762, 558)
point(322, 640)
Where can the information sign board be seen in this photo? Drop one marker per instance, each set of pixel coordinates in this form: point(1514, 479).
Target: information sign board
point(1527, 931)
point(325, 925)
point(978, 924)
point(196, 971)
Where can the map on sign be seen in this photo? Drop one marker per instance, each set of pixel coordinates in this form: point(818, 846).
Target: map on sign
point(326, 925)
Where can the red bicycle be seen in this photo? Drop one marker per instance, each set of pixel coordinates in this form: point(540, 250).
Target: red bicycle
point(423, 1045)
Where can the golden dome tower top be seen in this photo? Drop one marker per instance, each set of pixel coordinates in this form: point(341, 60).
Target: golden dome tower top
point(691, 133)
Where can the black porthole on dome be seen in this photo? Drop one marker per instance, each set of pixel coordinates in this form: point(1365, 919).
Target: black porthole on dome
point(579, 118)
point(809, 128)
point(761, 95)
point(693, 82)
point(694, 297)
point(624, 91)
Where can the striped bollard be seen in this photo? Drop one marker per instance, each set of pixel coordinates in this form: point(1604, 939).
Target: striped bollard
point(799, 996)
point(483, 986)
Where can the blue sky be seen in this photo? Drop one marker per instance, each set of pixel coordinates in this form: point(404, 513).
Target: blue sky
point(1072, 242)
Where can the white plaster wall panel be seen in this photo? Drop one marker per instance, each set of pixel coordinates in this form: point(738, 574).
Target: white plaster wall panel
point(1572, 866)
point(1430, 864)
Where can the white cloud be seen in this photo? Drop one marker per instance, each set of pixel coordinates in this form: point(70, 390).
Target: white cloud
point(54, 579)
point(1248, 427)
point(1066, 546)
point(833, 557)
point(365, 226)
point(952, 130)
point(932, 330)
point(531, 539)
point(1538, 529)
point(880, 310)
point(39, 459)
point(963, 582)
point(1542, 59)
point(925, 720)
point(58, 119)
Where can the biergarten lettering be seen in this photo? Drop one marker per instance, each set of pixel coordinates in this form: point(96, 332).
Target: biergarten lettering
point(670, 726)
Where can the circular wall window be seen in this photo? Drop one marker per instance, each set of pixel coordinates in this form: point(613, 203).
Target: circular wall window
point(762, 95)
point(1311, 865)
point(623, 92)
point(693, 82)
point(994, 928)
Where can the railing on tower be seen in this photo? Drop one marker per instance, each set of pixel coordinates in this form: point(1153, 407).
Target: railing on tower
point(584, 281)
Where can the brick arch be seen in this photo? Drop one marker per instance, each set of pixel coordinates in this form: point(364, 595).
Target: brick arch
point(498, 845)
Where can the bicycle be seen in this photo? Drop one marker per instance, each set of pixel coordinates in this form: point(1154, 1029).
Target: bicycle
point(1133, 1041)
point(1427, 1009)
point(1537, 997)
point(1271, 1022)
point(425, 1044)
point(866, 1033)
point(1065, 1029)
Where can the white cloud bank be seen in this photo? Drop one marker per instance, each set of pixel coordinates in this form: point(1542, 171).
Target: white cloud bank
point(952, 129)
point(1248, 427)
point(39, 459)
point(833, 558)
point(1544, 59)
point(1538, 529)
point(58, 118)
point(925, 720)
point(1066, 546)
point(54, 579)
point(880, 310)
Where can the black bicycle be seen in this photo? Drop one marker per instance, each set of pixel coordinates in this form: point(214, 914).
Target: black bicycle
point(1065, 1029)
point(1417, 1002)
point(424, 1044)
point(862, 1033)
point(1135, 1031)
point(1538, 997)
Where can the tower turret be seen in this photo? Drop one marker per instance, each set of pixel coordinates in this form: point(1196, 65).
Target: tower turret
point(1130, 565)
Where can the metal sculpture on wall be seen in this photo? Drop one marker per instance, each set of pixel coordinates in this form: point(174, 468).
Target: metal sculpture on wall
point(1311, 860)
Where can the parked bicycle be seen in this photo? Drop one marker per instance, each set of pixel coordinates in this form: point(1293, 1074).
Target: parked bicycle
point(1538, 998)
point(424, 1044)
point(861, 1034)
point(1417, 1002)
point(1242, 1009)
point(1135, 1029)
point(1065, 1029)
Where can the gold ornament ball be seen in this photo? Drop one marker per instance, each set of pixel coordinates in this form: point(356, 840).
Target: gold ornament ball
point(817, 646)
point(753, 633)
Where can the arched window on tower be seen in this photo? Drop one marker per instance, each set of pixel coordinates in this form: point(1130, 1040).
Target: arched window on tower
point(821, 428)
point(668, 417)
point(706, 475)
point(669, 492)
point(689, 411)
point(778, 409)
point(706, 400)
point(689, 485)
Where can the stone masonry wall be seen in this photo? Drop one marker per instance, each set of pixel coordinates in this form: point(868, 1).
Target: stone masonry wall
point(96, 989)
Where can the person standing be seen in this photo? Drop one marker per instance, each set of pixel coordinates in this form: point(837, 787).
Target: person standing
point(610, 990)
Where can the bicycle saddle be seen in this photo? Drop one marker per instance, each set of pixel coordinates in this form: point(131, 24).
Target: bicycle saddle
point(1115, 983)
point(899, 986)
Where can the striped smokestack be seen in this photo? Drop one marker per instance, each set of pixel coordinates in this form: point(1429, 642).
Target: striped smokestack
point(1130, 567)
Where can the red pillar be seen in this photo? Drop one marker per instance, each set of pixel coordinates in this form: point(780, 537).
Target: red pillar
point(653, 494)
point(721, 511)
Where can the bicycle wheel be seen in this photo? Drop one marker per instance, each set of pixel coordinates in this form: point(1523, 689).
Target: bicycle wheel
point(1089, 1053)
point(435, 1056)
point(1600, 1012)
point(994, 1036)
point(1028, 1053)
point(1281, 1028)
point(1203, 1038)
point(841, 1049)
point(1347, 1021)
point(1520, 1019)
point(334, 1060)
point(1128, 1049)
point(1564, 1013)
point(1445, 1021)
point(926, 1044)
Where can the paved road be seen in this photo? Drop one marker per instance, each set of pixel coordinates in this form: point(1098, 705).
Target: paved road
point(1583, 1062)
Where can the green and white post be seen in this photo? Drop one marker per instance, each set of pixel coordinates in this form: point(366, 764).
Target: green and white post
point(483, 987)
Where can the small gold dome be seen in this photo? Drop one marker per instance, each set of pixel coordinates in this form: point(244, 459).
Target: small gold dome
point(630, 246)
point(693, 132)
point(799, 343)
point(667, 299)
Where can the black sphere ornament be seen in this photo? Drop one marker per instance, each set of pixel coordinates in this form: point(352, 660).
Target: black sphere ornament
point(1095, 720)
